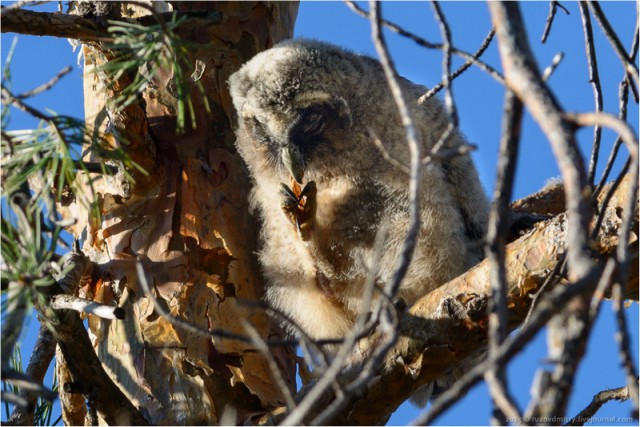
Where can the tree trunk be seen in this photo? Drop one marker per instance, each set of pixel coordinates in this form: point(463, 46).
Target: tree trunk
point(189, 225)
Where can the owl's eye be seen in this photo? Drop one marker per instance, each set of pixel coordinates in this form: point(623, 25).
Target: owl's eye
point(312, 122)
point(258, 130)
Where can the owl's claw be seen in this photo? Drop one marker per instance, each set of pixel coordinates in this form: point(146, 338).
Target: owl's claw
point(301, 210)
point(289, 199)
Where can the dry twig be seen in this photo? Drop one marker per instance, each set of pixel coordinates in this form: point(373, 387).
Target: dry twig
point(496, 242)
point(596, 403)
point(553, 6)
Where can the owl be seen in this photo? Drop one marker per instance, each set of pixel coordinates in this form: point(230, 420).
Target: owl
point(309, 114)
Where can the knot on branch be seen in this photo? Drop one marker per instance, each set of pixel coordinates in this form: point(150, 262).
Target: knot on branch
point(76, 268)
point(463, 307)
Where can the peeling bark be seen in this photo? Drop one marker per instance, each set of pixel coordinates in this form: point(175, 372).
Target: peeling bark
point(189, 224)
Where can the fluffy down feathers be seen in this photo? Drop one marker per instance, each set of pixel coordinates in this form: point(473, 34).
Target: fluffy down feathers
point(308, 113)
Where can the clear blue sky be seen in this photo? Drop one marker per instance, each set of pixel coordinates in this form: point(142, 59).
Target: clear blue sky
point(479, 101)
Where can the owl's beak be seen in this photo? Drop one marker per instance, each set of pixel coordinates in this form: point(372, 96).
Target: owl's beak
point(292, 159)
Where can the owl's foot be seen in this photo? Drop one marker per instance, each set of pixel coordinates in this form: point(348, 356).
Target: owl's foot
point(300, 206)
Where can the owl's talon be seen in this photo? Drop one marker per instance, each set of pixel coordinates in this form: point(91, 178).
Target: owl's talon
point(288, 194)
point(301, 210)
point(306, 218)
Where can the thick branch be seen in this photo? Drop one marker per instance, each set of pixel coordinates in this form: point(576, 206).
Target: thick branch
point(450, 323)
point(77, 27)
point(83, 363)
point(51, 24)
point(38, 364)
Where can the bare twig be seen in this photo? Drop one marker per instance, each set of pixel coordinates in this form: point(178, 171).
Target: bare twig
point(438, 153)
point(483, 46)
point(415, 151)
point(600, 210)
point(628, 63)
point(623, 99)
point(386, 155)
point(612, 122)
point(564, 341)
point(446, 64)
point(14, 399)
point(9, 98)
point(263, 348)
point(553, 6)
point(388, 323)
point(612, 157)
point(596, 403)
point(567, 335)
point(305, 342)
point(496, 241)
point(624, 343)
point(594, 79)
point(523, 78)
point(81, 305)
point(46, 86)
point(327, 380)
point(552, 279)
point(622, 252)
point(424, 43)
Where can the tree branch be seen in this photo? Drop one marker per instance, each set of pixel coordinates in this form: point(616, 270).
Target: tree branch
point(424, 43)
point(62, 25)
point(496, 242)
point(628, 64)
point(450, 323)
point(522, 76)
point(553, 6)
point(596, 403)
point(81, 305)
point(83, 363)
point(415, 149)
point(39, 362)
point(594, 79)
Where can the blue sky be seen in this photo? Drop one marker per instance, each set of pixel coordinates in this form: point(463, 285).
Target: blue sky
point(479, 100)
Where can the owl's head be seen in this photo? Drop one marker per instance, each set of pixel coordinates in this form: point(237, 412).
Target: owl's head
point(294, 104)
